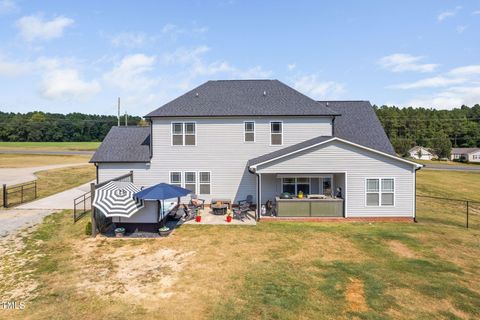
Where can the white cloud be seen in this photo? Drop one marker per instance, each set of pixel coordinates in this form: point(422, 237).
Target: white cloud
point(400, 62)
point(466, 70)
point(67, 84)
point(451, 98)
point(461, 29)
point(448, 14)
point(13, 68)
point(433, 82)
point(34, 27)
point(131, 73)
point(129, 39)
point(477, 12)
point(291, 66)
point(8, 6)
point(313, 87)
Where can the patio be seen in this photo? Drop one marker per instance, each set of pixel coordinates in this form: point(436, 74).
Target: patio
point(209, 218)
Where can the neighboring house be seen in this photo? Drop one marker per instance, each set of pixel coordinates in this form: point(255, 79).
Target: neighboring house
point(235, 138)
point(420, 153)
point(466, 154)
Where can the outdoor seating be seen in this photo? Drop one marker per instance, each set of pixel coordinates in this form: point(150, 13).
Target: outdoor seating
point(196, 202)
point(248, 200)
point(240, 213)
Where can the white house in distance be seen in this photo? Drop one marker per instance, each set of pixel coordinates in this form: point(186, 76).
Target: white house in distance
point(420, 153)
point(232, 139)
point(467, 154)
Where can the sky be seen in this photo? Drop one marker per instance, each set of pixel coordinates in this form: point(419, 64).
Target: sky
point(79, 56)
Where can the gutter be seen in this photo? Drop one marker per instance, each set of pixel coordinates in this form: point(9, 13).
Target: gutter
point(259, 205)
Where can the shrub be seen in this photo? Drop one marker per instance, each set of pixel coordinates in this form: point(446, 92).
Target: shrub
point(88, 228)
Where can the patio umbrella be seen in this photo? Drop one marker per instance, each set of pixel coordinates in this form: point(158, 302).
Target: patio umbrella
point(115, 199)
point(160, 192)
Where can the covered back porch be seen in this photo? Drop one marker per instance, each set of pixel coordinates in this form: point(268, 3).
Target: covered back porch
point(301, 194)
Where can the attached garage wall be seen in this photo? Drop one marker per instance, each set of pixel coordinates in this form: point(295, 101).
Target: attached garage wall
point(359, 164)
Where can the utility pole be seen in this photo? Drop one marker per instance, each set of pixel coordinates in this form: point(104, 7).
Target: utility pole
point(126, 119)
point(118, 116)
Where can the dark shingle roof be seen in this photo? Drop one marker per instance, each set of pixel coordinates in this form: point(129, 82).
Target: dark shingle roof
point(464, 150)
point(287, 150)
point(124, 144)
point(359, 124)
point(242, 98)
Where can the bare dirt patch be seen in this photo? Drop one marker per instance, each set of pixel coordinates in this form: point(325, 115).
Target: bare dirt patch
point(17, 284)
point(129, 272)
point(355, 296)
point(400, 249)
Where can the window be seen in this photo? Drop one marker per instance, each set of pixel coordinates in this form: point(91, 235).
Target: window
point(276, 132)
point(204, 182)
point(191, 181)
point(176, 178)
point(295, 185)
point(184, 133)
point(380, 192)
point(249, 131)
point(327, 186)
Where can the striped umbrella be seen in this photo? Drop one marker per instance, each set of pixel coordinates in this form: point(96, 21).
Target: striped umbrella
point(115, 199)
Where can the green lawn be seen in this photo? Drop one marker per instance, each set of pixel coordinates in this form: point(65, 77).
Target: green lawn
point(50, 146)
point(276, 270)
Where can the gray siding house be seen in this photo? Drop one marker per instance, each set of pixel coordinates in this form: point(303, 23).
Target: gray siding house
point(260, 138)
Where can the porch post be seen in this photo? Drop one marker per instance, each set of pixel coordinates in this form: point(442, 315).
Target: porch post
point(259, 196)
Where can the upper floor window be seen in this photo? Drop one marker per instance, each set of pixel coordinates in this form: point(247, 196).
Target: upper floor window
point(380, 192)
point(249, 131)
point(276, 133)
point(184, 133)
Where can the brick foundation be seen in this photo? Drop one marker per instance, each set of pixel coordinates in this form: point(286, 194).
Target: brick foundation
point(338, 219)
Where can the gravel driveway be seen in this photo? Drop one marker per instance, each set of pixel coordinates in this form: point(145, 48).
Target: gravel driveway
point(11, 176)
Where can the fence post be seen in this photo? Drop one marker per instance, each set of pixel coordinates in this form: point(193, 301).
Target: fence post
point(94, 224)
point(21, 193)
point(467, 213)
point(5, 204)
point(35, 188)
point(131, 176)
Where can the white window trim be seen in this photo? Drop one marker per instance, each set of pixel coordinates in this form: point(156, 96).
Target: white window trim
point(197, 179)
point(170, 177)
point(296, 184)
point(281, 133)
point(254, 132)
point(380, 192)
point(183, 134)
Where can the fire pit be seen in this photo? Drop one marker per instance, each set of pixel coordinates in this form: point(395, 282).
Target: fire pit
point(219, 208)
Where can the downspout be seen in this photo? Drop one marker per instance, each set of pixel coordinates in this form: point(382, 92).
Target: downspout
point(259, 205)
point(333, 126)
point(415, 200)
point(96, 171)
point(151, 137)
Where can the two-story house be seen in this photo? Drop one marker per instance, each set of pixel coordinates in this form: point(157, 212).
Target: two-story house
point(261, 138)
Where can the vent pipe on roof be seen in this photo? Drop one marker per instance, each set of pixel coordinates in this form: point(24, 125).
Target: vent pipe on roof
point(264, 93)
point(196, 94)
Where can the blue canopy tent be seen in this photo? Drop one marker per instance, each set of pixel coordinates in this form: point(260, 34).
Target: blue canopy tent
point(161, 192)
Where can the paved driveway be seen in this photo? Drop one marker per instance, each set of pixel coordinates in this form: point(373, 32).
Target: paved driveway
point(11, 176)
point(59, 152)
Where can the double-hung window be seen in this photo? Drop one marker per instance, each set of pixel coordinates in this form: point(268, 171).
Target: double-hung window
point(191, 181)
point(184, 133)
point(380, 192)
point(176, 178)
point(204, 182)
point(295, 185)
point(276, 133)
point(249, 131)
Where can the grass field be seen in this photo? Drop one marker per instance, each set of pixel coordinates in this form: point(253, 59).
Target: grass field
point(38, 160)
point(56, 180)
point(276, 270)
point(50, 146)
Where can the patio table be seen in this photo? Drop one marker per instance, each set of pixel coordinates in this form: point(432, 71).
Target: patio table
point(219, 209)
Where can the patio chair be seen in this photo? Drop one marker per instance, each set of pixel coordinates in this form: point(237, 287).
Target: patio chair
point(248, 200)
point(196, 202)
point(240, 213)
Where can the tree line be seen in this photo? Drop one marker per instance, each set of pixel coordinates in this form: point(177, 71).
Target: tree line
point(41, 126)
point(439, 130)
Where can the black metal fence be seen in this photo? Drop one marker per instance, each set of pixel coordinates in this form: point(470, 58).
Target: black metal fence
point(19, 193)
point(81, 206)
point(460, 212)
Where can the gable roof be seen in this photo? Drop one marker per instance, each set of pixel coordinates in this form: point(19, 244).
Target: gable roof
point(308, 144)
point(229, 98)
point(124, 144)
point(358, 123)
point(416, 148)
point(464, 150)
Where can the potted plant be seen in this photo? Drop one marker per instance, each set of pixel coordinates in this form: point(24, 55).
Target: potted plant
point(198, 217)
point(229, 217)
point(119, 232)
point(164, 231)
